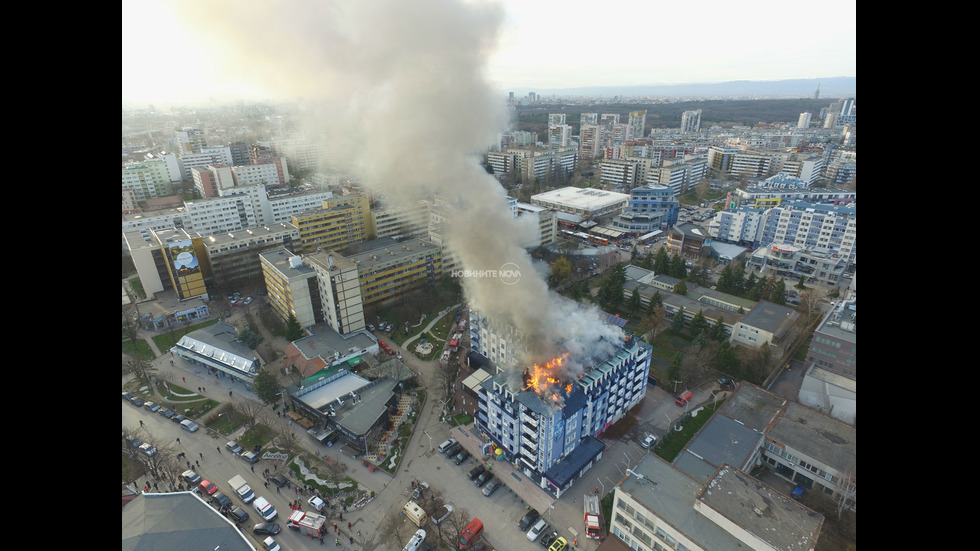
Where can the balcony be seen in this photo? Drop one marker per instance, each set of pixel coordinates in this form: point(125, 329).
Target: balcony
point(529, 432)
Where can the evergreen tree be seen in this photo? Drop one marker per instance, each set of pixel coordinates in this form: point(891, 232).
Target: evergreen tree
point(634, 304)
point(266, 386)
point(647, 261)
point(698, 323)
point(294, 330)
point(677, 322)
point(674, 371)
point(657, 299)
point(718, 332)
point(680, 288)
point(727, 359)
point(662, 263)
point(778, 295)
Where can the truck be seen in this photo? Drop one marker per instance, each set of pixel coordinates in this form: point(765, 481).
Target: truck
point(242, 488)
point(415, 513)
point(593, 516)
point(311, 524)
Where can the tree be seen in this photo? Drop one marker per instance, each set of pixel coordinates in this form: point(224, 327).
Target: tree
point(727, 360)
point(845, 492)
point(249, 337)
point(611, 292)
point(778, 294)
point(677, 268)
point(250, 410)
point(657, 299)
point(634, 254)
point(294, 330)
point(131, 327)
point(800, 285)
point(561, 270)
point(674, 371)
point(677, 322)
point(698, 323)
point(647, 261)
point(680, 288)
point(634, 304)
point(266, 385)
point(718, 331)
point(661, 265)
point(141, 369)
point(656, 320)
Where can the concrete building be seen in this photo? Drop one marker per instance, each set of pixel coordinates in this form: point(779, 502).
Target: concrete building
point(216, 349)
point(691, 121)
point(210, 180)
point(830, 383)
point(388, 269)
point(687, 240)
point(619, 173)
point(338, 222)
point(547, 223)
point(292, 287)
point(766, 323)
point(553, 439)
point(204, 157)
point(407, 221)
point(178, 520)
point(170, 260)
point(587, 203)
point(148, 179)
point(658, 506)
point(235, 257)
point(649, 208)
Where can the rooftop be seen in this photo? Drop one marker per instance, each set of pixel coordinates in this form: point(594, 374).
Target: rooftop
point(581, 198)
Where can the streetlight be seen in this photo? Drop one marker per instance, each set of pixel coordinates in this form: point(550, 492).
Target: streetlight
point(601, 484)
point(229, 422)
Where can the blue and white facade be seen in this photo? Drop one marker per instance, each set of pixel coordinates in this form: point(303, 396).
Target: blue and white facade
point(649, 208)
point(553, 440)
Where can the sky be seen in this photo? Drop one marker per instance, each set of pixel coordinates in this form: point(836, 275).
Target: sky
point(169, 54)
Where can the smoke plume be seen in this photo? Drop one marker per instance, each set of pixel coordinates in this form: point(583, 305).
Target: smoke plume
point(398, 91)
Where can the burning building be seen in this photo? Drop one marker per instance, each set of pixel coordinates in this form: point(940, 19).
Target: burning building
point(548, 420)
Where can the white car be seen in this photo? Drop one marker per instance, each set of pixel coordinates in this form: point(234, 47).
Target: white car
point(537, 529)
point(448, 511)
point(149, 450)
point(648, 441)
point(416, 541)
point(270, 544)
point(189, 425)
point(265, 508)
point(317, 504)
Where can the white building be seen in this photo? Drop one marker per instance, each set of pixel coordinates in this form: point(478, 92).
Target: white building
point(586, 202)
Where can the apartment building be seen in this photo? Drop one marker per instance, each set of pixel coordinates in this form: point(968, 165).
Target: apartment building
point(551, 435)
point(830, 383)
point(547, 223)
point(148, 179)
point(338, 222)
point(235, 257)
point(292, 287)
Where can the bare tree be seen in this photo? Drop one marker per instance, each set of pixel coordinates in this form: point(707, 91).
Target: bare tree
point(394, 530)
point(698, 363)
point(451, 528)
point(141, 369)
point(845, 492)
point(656, 321)
point(131, 327)
point(811, 301)
point(248, 409)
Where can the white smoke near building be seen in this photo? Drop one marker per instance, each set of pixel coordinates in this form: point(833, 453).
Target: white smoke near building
point(398, 88)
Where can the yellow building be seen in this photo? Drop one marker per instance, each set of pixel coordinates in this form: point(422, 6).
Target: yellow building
point(185, 260)
point(343, 220)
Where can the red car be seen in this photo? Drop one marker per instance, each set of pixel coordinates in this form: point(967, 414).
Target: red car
point(207, 487)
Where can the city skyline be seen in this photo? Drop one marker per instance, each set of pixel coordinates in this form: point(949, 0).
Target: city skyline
point(527, 46)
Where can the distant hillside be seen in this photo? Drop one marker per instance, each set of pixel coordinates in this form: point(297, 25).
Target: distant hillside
point(834, 87)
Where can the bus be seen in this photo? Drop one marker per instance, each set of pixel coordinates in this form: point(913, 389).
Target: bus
point(470, 534)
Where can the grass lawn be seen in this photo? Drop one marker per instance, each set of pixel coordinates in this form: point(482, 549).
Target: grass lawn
point(674, 441)
point(141, 350)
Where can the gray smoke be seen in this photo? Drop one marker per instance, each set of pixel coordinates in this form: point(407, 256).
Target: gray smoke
point(397, 88)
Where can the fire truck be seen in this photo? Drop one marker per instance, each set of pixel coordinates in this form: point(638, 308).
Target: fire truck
point(593, 516)
point(311, 524)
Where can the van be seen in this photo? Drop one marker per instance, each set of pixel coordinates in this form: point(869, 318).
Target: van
point(446, 445)
point(415, 513)
point(470, 534)
point(264, 508)
point(416, 541)
point(684, 397)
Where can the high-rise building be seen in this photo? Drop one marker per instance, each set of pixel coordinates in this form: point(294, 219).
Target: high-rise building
point(190, 140)
point(551, 435)
point(691, 121)
point(637, 123)
point(804, 121)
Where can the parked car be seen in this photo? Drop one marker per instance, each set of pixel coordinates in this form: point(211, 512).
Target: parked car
point(446, 445)
point(443, 513)
point(248, 300)
point(265, 508)
point(419, 489)
point(234, 447)
point(191, 476)
point(482, 479)
point(270, 544)
point(151, 406)
point(266, 528)
point(648, 441)
point(127, 396)
point(168, 413)
point(221, 499)
point(461, 456)
point(388, 328)
point(540, 526)
point(559, 545)
point(208, 487)
point(317, 504)
point(492, 484)
point(133, 441)
point(189, 425)
point(137, 401)
point(238, 515)
point(548, 539)
point(149, 450)
point(416, 541)
point(453, 450)
point(726, 381)
point(370, 327)
point(177, 418)
point(528, 519)
point(476, 471)
point(278, 480)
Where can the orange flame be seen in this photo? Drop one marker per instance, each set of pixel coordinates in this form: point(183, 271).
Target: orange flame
point(542, 377)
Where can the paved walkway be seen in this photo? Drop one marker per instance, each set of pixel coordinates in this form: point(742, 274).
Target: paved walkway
point(432, 322)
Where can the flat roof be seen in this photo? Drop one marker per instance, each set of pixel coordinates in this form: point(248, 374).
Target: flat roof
point(583, 198)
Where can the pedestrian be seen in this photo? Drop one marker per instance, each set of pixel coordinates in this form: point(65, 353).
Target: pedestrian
point(188, 464)
point(349, 526)
point(219, 450)
point(199, 389)
point(141, 422)
point(253, 468)
point(266, 483)
point(278, 414)
point(229, 394)
point(341, 516)
point(358, 533)
point(183, 379)
point(198, 462)
point(171, 362)
point(178, 440)
point(321, 539)
point(203, 389)
point(202, 455)
point(155, 486)
point(352, 540)
point(277, 490)
point(338, 541)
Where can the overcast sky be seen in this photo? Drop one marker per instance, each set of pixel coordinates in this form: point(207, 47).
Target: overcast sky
point(541, 44)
